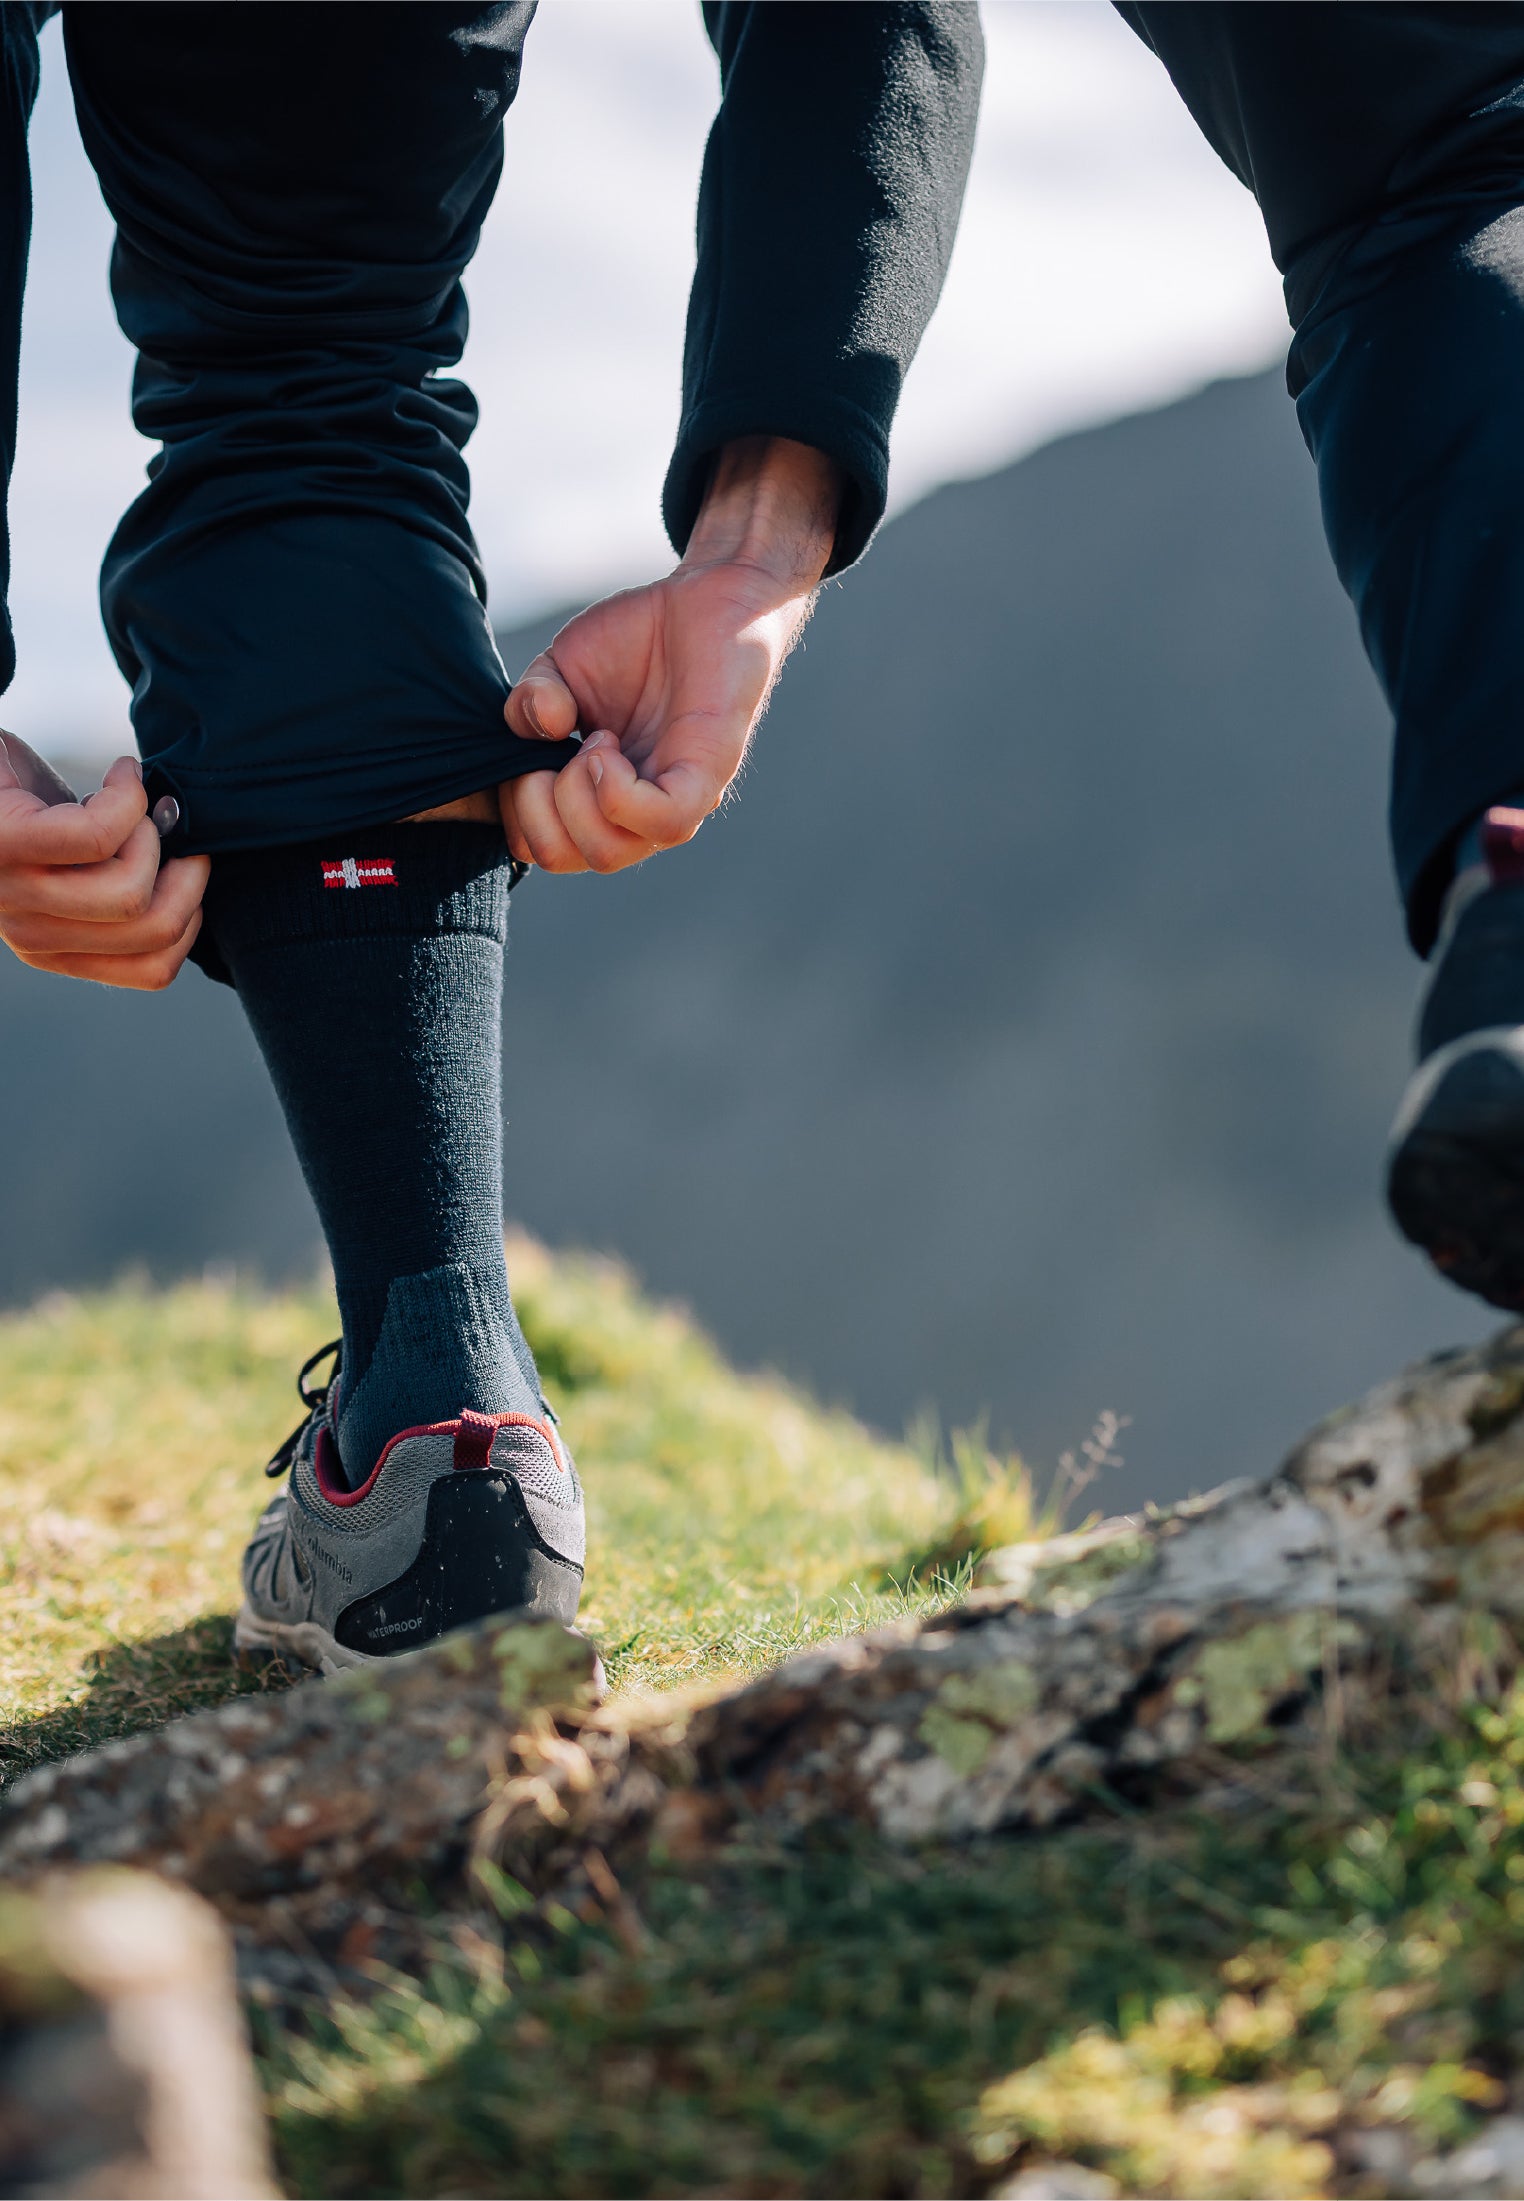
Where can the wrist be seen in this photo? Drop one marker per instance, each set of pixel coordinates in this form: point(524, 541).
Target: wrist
point(771, 504)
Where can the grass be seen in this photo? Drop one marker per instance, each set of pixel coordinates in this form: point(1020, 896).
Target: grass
point(731, 1520)
point(1193, 2001)
point(1200, 2003)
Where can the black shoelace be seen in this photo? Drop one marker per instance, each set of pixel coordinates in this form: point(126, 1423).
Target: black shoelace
point(314, 1397)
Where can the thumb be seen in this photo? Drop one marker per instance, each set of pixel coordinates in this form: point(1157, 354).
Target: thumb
point(542, 707)
point(33, 774)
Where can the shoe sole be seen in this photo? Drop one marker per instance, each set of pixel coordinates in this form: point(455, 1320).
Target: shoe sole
point(257, 1642)
point(1455, 1180)
point(304, 1644)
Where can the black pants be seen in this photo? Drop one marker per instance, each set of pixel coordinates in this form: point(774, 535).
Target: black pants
point(296, 597)
point(1386, 147)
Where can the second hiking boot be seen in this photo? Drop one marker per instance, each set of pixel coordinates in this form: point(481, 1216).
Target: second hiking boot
point(1455, 1173)
point(457, 1521)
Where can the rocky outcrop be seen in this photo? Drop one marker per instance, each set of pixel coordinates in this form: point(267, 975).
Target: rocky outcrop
point(1143, 1655)
point(1125, 1655)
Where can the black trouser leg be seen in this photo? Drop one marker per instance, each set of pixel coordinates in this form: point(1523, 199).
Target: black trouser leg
point(19, 28)
point(296, 596)
point(1386, 147)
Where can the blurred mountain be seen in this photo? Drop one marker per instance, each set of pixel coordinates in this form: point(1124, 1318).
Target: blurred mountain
point(1021, 1041)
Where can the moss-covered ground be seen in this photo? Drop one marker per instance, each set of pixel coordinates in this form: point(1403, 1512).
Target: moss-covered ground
point(1193, 2000)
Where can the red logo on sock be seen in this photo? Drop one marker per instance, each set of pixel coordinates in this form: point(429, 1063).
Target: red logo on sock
point(358, 871)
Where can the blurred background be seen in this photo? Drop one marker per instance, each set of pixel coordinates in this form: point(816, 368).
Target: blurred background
point(1021, 1041)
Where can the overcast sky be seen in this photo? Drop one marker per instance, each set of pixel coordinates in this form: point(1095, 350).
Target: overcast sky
point(1106, 261)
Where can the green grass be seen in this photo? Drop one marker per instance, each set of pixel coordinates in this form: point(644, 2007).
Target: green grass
point(730, 1519)
point(1198, 2002)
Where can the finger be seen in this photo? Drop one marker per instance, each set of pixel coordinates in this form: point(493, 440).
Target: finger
point(174, 901)
point(34, 832)
point(137, 973)
point(544, 835)
point(33, 773)
point(106, 893)
point(665, 811)
point(507, 810)
point(604, 845)
point(541, 707)
point(610, 811)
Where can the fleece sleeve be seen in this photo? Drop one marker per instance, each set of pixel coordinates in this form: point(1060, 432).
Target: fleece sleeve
point(19, 28)
point(832, 184)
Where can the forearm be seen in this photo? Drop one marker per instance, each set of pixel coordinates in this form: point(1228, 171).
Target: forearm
point(831, 189)
point(771, 506)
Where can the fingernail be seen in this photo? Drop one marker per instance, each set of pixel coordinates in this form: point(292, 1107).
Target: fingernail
point(530, 712)
point(136, 766)
point(593, 741)
point(595, 771)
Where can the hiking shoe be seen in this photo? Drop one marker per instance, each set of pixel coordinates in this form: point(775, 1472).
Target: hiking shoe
point(456, 1521)
point(1455, 1172)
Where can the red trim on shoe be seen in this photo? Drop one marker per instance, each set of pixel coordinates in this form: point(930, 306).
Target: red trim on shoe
point(474, 1434)
point(473, 1439)
point(335, 1492)
point(469, 1430)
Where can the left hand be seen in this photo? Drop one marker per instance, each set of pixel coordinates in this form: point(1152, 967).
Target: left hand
point(669, 680)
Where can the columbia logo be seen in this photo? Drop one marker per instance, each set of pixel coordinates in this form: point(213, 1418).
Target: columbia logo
point(358, 871)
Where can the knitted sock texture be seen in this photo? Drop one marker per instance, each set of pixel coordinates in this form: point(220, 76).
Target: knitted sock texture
point(371, 973)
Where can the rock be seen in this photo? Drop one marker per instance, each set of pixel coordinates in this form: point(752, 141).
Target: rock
point(332, 1786)
point(1129, 1654)
point(123, 2064)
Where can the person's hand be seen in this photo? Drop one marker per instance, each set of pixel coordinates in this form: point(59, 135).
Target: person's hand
point(82, 890)
point(668, 681)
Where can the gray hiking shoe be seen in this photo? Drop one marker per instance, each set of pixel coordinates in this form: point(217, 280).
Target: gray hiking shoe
point(457, 1521)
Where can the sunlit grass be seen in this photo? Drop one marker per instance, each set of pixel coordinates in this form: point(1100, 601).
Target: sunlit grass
point(730, 1519)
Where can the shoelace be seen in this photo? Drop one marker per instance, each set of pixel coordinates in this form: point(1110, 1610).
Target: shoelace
point(314, 1399)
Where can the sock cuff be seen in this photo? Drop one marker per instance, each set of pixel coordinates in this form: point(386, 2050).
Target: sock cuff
point(412, 880)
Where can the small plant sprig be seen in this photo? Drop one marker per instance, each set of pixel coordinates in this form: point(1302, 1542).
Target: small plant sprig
point(1077, 1471)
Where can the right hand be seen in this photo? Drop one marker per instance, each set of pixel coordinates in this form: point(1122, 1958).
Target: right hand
point(82, 890)
point(668, 681)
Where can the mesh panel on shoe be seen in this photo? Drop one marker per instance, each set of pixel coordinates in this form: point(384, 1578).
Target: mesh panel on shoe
point(412, 1467)
point(417, 1463)
point(529, 1460)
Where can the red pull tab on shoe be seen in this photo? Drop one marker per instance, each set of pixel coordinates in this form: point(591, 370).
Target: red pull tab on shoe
point(1503, 843)
point(473, 1439)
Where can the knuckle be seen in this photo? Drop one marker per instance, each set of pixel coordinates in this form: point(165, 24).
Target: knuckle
point(163, 931)
point(97, 843)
